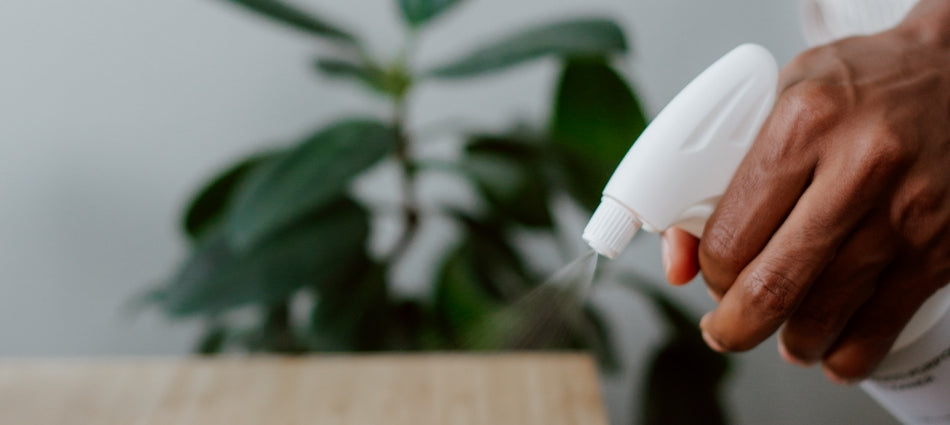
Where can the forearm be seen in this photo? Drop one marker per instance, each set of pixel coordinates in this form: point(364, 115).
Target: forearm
point(929, 21)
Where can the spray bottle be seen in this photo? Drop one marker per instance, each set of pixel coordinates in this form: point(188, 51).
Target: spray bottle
point(675, 174)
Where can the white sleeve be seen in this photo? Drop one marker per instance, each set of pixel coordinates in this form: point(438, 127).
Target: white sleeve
point(827, 20)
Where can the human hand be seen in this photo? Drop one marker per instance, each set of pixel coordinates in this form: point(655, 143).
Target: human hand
point(836, 227)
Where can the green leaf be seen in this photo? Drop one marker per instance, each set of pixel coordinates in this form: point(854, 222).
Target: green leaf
point(682, 368)
point(460, 302)
point(310, 176)
point(581, 37)
point(477, 278)
point(369, 76)
point(208, 207)
point(596, 119)
point(485, 301)
point(411, 323)
point(320, 249)
point(418, 12)
point(500, 268)
point(394, 81)
point(508, 173)
point(276, 334)
point(525, 316)
point(291, 16)
point(213, 340)
point(352, 314)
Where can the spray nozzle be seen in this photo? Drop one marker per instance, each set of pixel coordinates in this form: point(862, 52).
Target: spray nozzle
point(611, 228)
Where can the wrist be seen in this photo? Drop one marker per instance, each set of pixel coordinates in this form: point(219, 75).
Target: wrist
point(928, 22)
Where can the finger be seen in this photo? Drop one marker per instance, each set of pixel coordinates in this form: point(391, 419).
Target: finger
point(871, 332)
point(847, 283)
point(680, 256)
point(760, 196)
point(772, 286)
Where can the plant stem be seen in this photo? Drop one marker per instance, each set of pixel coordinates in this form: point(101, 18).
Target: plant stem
point(410, 205)
point(278, 330)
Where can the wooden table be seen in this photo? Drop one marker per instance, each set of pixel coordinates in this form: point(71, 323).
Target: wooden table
point(346, 390)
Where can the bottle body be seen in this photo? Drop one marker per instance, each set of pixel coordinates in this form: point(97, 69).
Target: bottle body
point(913, 381)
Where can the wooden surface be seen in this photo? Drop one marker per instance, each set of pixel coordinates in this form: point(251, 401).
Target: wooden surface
point(371, 390)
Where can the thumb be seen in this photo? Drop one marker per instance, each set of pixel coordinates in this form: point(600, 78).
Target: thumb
point(680, 255)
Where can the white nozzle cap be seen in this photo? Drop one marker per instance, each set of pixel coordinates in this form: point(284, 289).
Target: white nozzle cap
point(611, 228)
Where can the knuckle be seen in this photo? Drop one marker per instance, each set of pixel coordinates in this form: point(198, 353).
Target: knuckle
point(881, 156)
point(813, 104)
point(804, 112)
point(815, 321)
point(717, 250)
point(863, 257)
point(894, 145)
point(770, 292)
point(917, 212)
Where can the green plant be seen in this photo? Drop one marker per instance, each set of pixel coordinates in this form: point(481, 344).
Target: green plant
point(283, 224)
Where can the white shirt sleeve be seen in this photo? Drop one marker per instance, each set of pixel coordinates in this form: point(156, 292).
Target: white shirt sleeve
point(827, 20)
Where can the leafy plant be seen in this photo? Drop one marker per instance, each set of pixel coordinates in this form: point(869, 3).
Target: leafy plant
point(282, 226)
point(682, 368)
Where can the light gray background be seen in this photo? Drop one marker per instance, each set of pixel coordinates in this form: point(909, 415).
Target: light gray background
point(112, 111)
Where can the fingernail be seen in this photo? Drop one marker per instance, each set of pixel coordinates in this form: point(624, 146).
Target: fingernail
point(712, 343)
point(789, 358)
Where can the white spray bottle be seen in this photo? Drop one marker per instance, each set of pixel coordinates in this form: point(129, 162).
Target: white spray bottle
point(675, 174)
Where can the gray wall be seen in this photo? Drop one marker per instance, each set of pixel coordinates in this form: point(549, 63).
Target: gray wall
point(111, 111)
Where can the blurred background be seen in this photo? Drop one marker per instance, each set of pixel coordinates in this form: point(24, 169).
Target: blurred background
point(113, 113)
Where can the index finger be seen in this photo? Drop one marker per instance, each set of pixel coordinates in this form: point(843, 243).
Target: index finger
point(770, 288)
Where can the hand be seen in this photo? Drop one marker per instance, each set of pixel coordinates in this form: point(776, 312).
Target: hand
point(837, 223)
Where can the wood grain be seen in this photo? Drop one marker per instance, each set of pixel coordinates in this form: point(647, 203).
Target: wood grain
point(547, 389)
